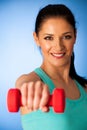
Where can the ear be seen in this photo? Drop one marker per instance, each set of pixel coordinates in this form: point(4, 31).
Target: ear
point(36, 38)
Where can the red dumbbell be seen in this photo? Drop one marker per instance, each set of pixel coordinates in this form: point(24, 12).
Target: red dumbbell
point(57, 100)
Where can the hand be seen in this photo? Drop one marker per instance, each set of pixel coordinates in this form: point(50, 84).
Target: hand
point(35, 95)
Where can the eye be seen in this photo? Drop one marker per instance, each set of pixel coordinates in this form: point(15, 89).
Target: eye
point(48, 38)
point(67, 37)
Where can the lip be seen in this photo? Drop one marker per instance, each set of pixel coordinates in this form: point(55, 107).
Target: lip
point(58, 55)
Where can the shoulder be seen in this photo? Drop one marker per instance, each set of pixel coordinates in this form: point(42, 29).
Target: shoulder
point(86, 87)
point(25, 78)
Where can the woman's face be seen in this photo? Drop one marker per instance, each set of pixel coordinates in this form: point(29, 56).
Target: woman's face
point(56, 39)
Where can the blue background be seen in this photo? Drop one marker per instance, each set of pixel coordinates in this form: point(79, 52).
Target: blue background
point(18, 52)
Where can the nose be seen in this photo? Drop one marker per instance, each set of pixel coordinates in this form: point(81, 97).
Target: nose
point(59, 44)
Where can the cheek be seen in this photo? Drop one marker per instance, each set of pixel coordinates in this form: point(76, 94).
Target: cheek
point(45, 47)
point(71, 48)
point(71, 44)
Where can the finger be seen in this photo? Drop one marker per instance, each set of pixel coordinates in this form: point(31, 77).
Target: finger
point(45, 109)
point(24, 94)
point(30, 96)
point(45, 97)
point(37, 95)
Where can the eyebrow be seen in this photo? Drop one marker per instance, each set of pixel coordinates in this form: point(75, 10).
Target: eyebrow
point(53, 34)
point(66, 33)
point(48, 34)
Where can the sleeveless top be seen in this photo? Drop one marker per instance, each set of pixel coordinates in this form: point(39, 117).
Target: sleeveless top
point(73, 118)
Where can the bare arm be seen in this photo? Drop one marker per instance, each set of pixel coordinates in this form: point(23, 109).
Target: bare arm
point(31, 77)
point(35, 94)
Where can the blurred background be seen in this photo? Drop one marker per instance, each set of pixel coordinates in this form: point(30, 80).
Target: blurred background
point(18, 52)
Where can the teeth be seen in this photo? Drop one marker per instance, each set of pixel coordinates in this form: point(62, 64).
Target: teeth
point(58, 55)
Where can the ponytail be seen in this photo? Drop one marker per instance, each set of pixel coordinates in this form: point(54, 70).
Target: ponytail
point(74, 75)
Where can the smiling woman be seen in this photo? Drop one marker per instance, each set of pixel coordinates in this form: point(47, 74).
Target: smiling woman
point(56, 39)
point(55, 34)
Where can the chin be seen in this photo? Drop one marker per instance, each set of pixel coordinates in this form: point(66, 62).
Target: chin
point(62, 64)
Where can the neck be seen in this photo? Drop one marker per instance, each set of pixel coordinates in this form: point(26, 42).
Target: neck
point(57, 73)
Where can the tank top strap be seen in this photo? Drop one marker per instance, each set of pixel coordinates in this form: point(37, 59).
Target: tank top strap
point(81, 89)
point(45, 78)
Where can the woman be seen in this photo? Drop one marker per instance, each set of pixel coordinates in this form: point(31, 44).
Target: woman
point(55, 34)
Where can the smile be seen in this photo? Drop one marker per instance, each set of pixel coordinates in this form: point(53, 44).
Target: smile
point(58, 55)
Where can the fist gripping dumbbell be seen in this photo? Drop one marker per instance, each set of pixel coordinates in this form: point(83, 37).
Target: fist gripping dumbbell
point(56, 100)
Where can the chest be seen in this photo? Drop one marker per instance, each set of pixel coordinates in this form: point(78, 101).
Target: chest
point(71, 90)
point(74, 118)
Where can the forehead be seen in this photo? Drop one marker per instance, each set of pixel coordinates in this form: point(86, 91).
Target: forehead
point(56, 24)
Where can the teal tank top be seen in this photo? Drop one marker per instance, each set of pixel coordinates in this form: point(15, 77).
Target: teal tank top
point(73, 118)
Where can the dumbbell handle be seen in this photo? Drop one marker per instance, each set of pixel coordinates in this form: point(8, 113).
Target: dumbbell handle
point(56, 100)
